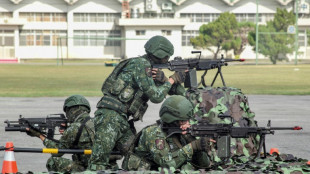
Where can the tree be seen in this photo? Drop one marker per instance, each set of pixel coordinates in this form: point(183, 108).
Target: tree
point(216, 34)
point(241, 39)
point(275, 45)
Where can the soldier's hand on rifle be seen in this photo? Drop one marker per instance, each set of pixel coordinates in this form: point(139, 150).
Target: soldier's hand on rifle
point(178, 77)
point(201, 144)
point(62, 128)
point(33, 133)
point(159, 75)
point(184, 125)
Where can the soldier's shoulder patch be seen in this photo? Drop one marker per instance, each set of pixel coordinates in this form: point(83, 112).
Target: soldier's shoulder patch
point(160, 144)
point(148, 71)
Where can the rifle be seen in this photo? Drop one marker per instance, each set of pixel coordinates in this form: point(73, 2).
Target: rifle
point(45, 126)
point(223, 132)
point(193, 65)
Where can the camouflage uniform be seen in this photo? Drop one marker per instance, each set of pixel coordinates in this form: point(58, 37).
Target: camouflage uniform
point(126, 93)
point(79, 162)
point(152, 147)
point(155, 150)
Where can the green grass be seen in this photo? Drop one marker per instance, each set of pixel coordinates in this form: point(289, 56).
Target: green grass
point(24, 80)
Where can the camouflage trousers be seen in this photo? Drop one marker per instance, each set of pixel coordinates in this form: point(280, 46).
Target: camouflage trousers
point(112, 131)
point(59, 164)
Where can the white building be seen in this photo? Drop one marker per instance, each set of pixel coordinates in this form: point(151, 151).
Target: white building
point(86, 28)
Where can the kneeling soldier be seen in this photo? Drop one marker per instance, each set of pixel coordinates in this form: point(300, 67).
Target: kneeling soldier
point(79, 135)
point(153, 148)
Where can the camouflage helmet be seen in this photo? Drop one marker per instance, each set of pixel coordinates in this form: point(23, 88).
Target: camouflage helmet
point(76, 100)
point(176, 108)
point(159, 46)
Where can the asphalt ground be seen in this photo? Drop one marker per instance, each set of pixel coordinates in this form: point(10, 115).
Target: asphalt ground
point(282, 110)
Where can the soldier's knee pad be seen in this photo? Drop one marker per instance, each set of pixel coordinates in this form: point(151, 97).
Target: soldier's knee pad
point(50, 164)
point(134, 162)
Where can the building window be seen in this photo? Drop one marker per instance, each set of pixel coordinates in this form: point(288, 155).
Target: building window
point(59, 37)
point(245, 17)
point(111, 38)
point(200, 17)
point(140, 32)
point(186, 35)
point(302, 37)
point(210, 17)
point(267, 17)
point(166, 32)
point(59, 17)
point(7, 38)
point(42, 37)
point(26, 38)
point(44, 17)
point(28, 16)
point(97, 38)
point(95, 17)
point(39, 38)
point(4, 15)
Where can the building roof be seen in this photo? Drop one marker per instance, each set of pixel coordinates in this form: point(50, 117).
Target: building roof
point(177, 2)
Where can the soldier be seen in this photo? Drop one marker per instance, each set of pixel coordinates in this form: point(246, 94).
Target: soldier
point(126, 93)
point(153, 148)
point(79, 135)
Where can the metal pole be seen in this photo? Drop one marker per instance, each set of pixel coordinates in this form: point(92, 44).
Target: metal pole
point(256, 45)
point(57, 49)
point(296, 30)
point(54, 150)
point(62, 59)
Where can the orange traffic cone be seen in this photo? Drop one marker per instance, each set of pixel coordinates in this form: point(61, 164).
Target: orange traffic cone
point(274, 150)
point(9, 163)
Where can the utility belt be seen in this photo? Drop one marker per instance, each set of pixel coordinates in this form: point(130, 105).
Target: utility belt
point(136, 108)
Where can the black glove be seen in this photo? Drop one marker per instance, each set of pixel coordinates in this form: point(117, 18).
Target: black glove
point(160, 76)
point(201, 144)
point(178, 77)
point(33, 133)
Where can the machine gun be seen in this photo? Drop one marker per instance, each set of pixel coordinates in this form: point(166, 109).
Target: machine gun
point(193, 65)
point(45, 126)
point(223, 132)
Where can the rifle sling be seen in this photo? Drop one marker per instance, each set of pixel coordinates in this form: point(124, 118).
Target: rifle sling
point(78, 135)
point(177, 142)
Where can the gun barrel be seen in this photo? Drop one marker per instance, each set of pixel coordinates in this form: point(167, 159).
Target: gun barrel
point(287, 128)
point(15, 129)
point(234, 60)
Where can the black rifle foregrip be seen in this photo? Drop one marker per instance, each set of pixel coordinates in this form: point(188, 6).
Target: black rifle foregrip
point(15, 129)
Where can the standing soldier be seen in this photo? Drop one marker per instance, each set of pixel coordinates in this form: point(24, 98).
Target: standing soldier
point(153, 148)
point(126, 93)
point(79, 135)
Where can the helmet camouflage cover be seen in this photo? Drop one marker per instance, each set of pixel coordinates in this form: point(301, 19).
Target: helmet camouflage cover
point(176, 108)
point(160, 47)
point(76, 100)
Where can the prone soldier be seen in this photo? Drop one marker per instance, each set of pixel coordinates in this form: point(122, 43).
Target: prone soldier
point(79, 135)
